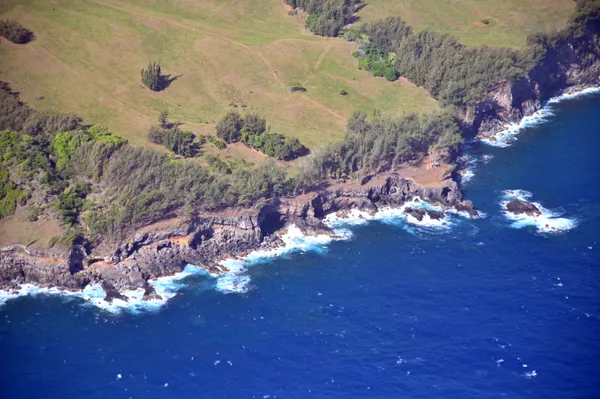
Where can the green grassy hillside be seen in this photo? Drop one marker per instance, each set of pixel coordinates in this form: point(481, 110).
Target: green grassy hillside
point(228, 54)
point(508, 21)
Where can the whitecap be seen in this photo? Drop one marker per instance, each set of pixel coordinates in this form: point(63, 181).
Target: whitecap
point(547, 222)
point(236, 280)
point(531, 374)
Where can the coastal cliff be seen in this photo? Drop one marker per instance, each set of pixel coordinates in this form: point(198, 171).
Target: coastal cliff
point(165, 247)
point(567, 66)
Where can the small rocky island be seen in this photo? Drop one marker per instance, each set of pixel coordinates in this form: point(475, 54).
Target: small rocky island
point(519, 207)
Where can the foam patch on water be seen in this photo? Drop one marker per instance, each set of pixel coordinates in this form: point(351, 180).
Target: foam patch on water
point(576, 94)
point(236, 280)
point(93, 294)
point(547, 222)
point(468, 165)
point(507, 136)
point(391, 215)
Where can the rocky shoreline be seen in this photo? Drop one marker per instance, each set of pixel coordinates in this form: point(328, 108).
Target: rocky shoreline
point(166, 247)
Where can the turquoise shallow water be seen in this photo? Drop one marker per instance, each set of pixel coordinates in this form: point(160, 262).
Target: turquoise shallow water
point(483, 309)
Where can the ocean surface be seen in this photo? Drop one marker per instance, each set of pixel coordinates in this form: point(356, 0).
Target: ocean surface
point(471, 308)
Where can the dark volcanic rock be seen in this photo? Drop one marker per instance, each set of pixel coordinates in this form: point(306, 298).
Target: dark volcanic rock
point(167, 246)
point(150, 294)
point(419, 213)
point(112, 293)
point(518, 207)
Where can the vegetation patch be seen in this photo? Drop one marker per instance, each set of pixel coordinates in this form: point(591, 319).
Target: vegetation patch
point(450, 71)
point(154, 79)
point(252, 131)
point(296, 86)
point(15, 32)
point(327, 18)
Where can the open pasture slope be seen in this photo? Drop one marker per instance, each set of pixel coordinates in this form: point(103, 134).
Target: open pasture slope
point(508, 21)
point(225, 54)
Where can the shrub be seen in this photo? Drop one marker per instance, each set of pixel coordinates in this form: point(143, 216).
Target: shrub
point(229, 128)
point(343, 92)
point(156, 134)
point(390, 73)
point(151, 77)
point(180, 142)
point(34, 214)
point(216, 142)
point(15, 32)
point(254, 124)
point(70, 202)
point(296, 86)
point(163, 119)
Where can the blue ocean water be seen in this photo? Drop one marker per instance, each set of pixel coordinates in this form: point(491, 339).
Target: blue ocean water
point(484, 309)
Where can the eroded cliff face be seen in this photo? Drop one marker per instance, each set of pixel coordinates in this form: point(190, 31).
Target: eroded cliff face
point(565, 68)
point(165, 247)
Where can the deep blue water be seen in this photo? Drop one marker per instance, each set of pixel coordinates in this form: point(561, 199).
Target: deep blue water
point(468, 312)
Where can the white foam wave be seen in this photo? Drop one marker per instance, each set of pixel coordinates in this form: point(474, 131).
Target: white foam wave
point(575, 94)
point(507, 136)
point(235, 279)
point(93, 294)
point(547, 222)
point(468, 164)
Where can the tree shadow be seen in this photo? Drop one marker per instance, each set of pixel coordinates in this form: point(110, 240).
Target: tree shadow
point(28, 38)
point(166, 80)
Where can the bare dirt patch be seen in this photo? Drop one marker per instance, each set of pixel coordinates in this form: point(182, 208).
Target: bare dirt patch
point(16, 229)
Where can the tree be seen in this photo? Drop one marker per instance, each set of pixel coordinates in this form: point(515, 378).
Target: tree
point(229, 128)
point(156, 134)
point(163, 119)
point(15, 32)
point(254, 124)
point(151, 76)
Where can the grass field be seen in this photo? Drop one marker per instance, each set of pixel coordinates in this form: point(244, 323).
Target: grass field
point(88, 55)
point(510, 21)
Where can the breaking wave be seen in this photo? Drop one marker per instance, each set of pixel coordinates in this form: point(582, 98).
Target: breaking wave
point(507, 136)
point(547, 222)
point(236, 278)
point(468, 164)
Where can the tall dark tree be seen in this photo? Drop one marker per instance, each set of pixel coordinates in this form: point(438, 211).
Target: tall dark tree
point(229, 128)
point(152, 77)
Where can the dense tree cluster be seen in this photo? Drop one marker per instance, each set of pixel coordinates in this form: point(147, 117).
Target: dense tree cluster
point(326, 17)
point(252, 131)
point(374, 59)
point(181, 142)
point(169, 134)
point(15, 32)
point(381, 144)
point(459, 75)
point(450, 71)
